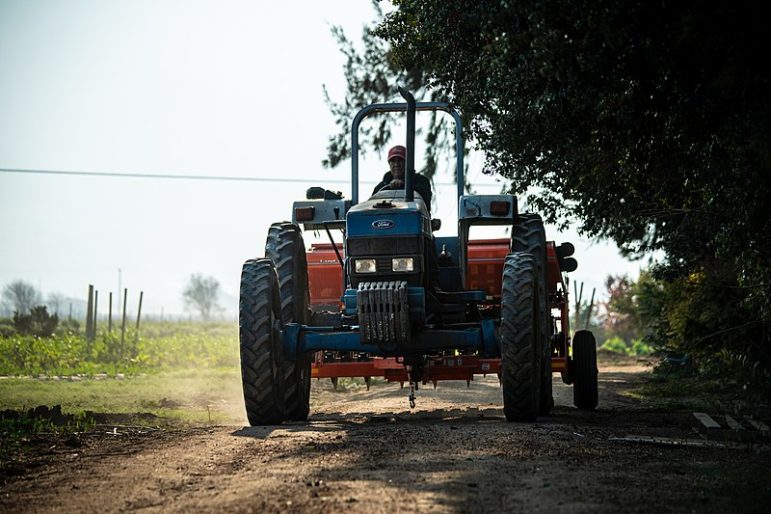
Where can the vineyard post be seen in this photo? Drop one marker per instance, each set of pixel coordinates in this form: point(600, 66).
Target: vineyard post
point(123, 323)
point(89, 312)
point(96, 312)
point(139, 314)
point(591, 306)
point(579, 295)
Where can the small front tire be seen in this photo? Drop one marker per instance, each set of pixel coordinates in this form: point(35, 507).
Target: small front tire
point(584, 371)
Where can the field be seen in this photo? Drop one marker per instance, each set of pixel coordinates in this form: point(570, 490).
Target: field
point(166, 433)
point(175, 371)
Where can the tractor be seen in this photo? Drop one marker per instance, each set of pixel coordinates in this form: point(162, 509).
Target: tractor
point(394, 301)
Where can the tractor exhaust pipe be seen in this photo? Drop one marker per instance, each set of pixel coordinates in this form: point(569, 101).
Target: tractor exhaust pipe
point(409, 164)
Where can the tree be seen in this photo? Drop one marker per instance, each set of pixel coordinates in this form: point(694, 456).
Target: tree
point(201, 294)
point(55, 302)
point(20, 296)
point(645, 121)
point(371, 75)
point(38, 322)
point(620, 311)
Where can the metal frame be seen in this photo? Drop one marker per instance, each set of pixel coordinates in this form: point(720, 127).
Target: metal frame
point(402, 107)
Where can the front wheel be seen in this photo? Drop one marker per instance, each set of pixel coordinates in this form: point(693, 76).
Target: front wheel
point(284, 246)
point(584, 370)
point(259, 323)
point(520, 332)
point(528, 236)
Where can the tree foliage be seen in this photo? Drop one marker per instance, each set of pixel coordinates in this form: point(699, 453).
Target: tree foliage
point(648, 122)
point(20, 296)
point(371, 76)
point(201, 294)
point(620, 309)
point(37, 323)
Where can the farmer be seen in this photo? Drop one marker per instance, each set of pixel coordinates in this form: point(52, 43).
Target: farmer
point(394, 179)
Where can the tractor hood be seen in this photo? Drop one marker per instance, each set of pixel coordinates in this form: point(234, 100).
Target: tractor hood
point(388, 214)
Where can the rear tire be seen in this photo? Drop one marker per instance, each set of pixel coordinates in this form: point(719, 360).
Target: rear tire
point(529, 236)
point(285, 247)
point(260, 344)
point(520, 333)
point(585, 370)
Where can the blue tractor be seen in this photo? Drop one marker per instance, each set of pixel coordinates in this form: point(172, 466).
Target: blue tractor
point(410, 306)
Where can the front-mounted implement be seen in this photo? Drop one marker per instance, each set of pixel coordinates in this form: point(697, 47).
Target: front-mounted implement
point(394, 301)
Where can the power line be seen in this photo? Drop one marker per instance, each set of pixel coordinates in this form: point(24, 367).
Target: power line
point(201, 177)
point(167, 176)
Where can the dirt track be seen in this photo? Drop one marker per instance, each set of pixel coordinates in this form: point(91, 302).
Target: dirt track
point(364, 451)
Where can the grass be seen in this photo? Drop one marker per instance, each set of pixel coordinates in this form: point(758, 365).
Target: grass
point(203, 395)
point(693, 391)
point(179, 372)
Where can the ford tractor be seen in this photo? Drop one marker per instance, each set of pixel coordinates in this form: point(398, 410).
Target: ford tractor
point(394, 301)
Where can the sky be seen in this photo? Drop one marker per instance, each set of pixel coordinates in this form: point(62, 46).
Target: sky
point(174, 87)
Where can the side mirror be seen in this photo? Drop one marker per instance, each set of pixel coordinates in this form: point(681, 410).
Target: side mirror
point(436, 224)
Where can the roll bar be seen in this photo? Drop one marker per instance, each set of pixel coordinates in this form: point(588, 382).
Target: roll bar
point(410, 163)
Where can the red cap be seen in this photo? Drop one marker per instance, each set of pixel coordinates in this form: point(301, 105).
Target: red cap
point(397, 151)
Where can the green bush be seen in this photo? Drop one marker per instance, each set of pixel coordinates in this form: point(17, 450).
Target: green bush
point(6, 328)
point(615, 345)
point(640, 348)
point(37, 323)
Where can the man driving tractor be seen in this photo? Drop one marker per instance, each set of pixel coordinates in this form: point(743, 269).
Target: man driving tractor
point(394, 179)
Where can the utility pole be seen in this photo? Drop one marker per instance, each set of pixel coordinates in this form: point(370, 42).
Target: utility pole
point(123, 324)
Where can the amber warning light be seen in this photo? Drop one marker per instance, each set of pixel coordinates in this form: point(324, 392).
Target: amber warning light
point(304, 213)
point(499, 208)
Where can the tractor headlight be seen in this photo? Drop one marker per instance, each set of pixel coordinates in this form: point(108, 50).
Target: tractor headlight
point(365, 265)
point(403, 264)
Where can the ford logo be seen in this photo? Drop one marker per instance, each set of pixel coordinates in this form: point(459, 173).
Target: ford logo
point(383, 224)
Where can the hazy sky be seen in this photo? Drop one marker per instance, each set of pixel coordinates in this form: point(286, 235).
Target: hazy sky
point(225, 88)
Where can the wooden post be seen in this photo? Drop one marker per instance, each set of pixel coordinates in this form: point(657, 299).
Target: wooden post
point(579, 295)
point(123, 323)
point(139, 314)
point(109, 316)
point(89, 312)
point(96, 312)
point(591, 306)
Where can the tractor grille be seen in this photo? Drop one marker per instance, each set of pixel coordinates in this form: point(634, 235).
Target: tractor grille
point(366, 246)
point(384, 314)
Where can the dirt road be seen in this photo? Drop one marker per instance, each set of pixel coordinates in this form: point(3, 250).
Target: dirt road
point(365, 451)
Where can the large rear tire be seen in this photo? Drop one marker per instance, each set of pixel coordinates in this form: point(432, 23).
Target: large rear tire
point(259, 325)
point(529, 236)
point(519, 341)
point(585, 370)
point(285, 247)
